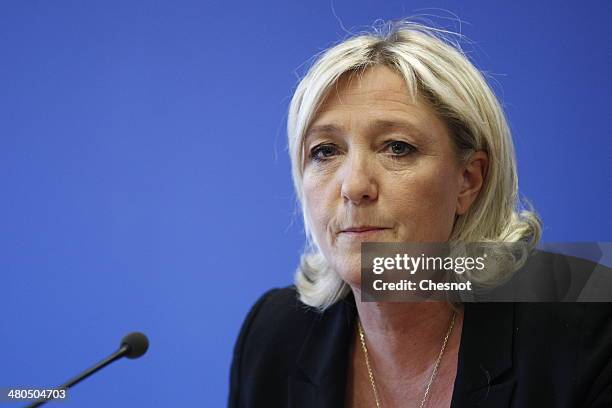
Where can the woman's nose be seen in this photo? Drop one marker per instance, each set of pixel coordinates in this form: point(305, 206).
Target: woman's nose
point(358, 181)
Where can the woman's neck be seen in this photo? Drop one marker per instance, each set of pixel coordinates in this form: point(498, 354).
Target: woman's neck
point(407, 336)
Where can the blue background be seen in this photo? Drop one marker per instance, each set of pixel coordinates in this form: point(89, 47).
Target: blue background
point(145, 183)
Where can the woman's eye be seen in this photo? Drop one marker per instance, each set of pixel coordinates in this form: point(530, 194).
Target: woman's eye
point(321, 152)
point(400, 149)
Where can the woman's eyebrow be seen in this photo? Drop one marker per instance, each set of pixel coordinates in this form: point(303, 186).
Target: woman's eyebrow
point(376, 126)
point(397, 125)
point(313, 130)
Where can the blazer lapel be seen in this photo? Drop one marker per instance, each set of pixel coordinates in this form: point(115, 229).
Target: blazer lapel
point(484, 373)
point(320, 378)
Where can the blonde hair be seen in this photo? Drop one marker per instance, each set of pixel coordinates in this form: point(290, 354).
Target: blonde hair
point(435, 69)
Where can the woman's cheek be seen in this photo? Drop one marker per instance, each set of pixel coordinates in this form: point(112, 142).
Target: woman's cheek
point(316, 211)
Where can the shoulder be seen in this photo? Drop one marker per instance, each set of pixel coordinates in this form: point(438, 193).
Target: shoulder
point(583, 315)
point(580, 329)
point(269, 342)
point(568, 294)
point(570, 344)
point(276, 315)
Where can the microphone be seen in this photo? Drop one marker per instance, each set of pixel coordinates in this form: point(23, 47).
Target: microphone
point(132, 346)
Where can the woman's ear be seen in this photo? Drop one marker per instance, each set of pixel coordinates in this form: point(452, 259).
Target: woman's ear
point(473, 175)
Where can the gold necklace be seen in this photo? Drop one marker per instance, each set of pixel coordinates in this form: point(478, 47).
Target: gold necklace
point(433, 374)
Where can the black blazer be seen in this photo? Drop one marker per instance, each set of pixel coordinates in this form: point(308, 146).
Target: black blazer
point(511, 355)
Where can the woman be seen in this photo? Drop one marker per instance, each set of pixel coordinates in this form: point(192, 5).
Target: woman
point(395, 136)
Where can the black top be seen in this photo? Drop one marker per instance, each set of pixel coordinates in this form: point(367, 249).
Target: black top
point(511, 354)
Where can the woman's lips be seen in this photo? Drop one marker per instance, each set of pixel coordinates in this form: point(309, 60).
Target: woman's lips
point(362, 233)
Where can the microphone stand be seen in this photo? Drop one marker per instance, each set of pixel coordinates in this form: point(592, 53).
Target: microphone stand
point(73, 381)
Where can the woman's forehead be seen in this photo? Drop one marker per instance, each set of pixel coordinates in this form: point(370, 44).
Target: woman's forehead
point(375, 116)
point(378, 93)
point(376, 76)
point(375, 84)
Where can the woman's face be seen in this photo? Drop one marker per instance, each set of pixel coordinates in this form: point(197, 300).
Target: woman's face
point(376, 161)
